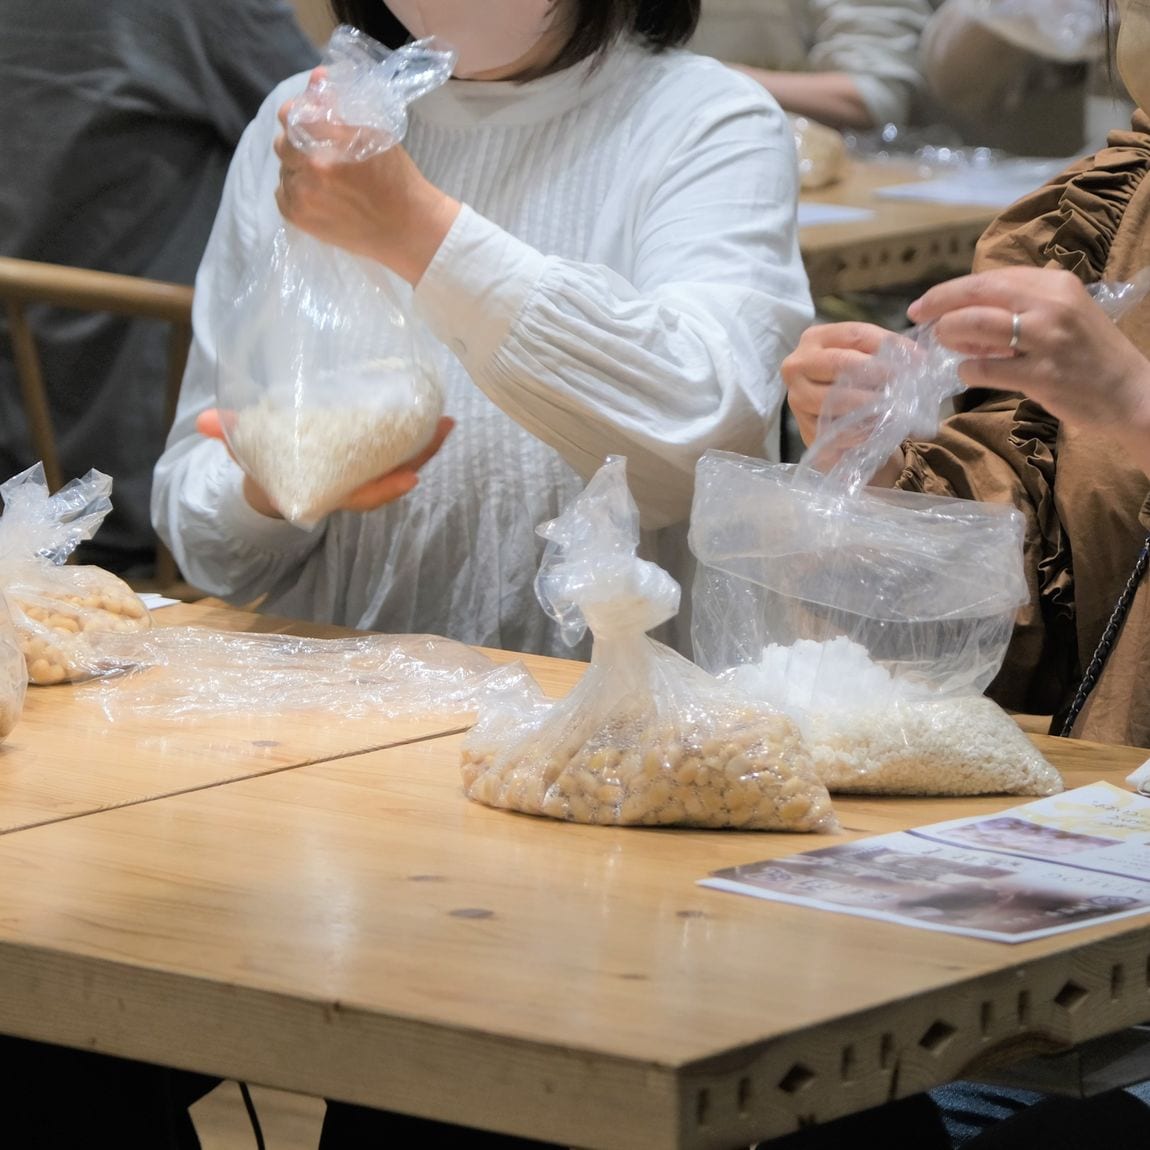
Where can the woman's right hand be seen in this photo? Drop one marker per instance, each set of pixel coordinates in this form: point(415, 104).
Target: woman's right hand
point(375, 493)
point(823, 353)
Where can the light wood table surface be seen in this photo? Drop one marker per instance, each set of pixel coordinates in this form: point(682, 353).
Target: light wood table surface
point(903, 243)
point(65, 759)
point(357, 929)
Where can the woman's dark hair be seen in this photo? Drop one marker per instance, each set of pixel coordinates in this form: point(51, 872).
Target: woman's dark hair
point(595, 24)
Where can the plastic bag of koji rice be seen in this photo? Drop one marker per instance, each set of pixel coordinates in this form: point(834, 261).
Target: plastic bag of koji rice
point(326, 378)
point(646, 737)
point(875, 618)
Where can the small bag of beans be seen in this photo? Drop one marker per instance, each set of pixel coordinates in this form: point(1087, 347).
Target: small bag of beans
point(646, 737)
point(58, 609)
point(13, 677)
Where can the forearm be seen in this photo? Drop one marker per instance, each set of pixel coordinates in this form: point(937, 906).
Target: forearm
point(593, 366)
point(832, 98)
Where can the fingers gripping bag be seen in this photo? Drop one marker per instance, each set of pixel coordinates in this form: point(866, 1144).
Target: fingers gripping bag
point(59, 609)
point(646, 737)
point(326, 379)
point(875, 618)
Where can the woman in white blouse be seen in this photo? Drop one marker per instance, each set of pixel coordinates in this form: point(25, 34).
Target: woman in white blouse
point(600, 227)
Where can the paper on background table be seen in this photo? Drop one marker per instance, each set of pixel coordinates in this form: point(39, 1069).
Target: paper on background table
point(1057, 864)
point(811, 214)
point(997, 185)
point(153, 600)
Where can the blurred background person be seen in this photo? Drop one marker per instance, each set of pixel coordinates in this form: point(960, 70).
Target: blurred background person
point(1022, 77)
point(122, 118)
point(849, 64)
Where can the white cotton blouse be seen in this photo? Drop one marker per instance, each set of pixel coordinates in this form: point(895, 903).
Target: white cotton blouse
point(623, 279)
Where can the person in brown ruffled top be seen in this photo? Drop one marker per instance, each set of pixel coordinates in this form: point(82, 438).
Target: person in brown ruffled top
point(1056, 419)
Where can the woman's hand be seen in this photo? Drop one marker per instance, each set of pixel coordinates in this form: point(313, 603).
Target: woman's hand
point(1037, 331)
point(823, 353)
point(375, 493)
point(380, 207)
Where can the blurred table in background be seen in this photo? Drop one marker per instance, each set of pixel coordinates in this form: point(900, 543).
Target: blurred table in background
point(898, 243)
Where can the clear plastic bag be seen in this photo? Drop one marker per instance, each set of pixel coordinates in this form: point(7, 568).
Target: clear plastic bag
point(13, 675)
point(822, 153)
point(1062, 30)
point(192, 673)
point(646, 737)
point(58, 608)
point(326, 378)
point(875, 618)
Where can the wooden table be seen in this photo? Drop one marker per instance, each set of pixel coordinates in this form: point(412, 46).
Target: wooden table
point(903, 243)
point(65, 759)
point(357, 929)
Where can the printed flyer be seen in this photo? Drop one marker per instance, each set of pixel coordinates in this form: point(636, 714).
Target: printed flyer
point(1057, 864)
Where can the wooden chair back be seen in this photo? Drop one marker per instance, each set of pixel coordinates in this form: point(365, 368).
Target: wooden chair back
point(24, 282)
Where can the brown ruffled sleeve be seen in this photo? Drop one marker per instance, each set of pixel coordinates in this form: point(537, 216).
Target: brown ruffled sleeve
point(1006, 451)
point(1071, 221)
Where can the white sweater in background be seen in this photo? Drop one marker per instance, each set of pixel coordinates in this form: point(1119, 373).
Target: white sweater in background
point(624, 279)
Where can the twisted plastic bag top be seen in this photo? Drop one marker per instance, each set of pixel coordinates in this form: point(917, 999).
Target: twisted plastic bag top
point(590, 575)
point(367, 86)
point(39, 525)
point(907, 381)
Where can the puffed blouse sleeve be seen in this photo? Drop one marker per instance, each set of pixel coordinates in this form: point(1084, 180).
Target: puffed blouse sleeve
point(1002, 448)
point(1071, 221)
point(678, 355)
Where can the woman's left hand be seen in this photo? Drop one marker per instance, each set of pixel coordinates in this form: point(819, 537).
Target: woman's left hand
point(1037, 331)
point(380, 207)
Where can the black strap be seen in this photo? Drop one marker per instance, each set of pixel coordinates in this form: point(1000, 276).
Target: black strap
point(1106, 643)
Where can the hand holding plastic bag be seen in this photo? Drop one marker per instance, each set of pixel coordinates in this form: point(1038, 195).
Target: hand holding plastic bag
point(326, 379)
point(57, 609)
point(646, 737)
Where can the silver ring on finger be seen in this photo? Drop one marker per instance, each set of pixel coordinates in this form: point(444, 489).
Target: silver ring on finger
point(1015, 331)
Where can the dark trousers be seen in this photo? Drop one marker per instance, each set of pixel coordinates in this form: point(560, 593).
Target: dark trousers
point(53, 1098)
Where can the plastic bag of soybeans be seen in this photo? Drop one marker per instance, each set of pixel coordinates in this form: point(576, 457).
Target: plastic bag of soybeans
point(646, 737)
point(13, 677)
point(58, 609)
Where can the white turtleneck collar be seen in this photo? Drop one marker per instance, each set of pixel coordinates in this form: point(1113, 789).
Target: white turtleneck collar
point(506, 103)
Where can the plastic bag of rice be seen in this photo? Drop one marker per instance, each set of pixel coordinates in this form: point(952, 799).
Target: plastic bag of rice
point(872, 733)
point(326, 378)
point(875, 618)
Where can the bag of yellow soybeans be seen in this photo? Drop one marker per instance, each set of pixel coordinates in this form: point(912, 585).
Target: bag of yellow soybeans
point(646, 737)
point(13, 677)
point(57, 609)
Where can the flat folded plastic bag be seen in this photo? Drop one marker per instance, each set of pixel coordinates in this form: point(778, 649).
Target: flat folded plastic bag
point(193, 673)
point(645, 737)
